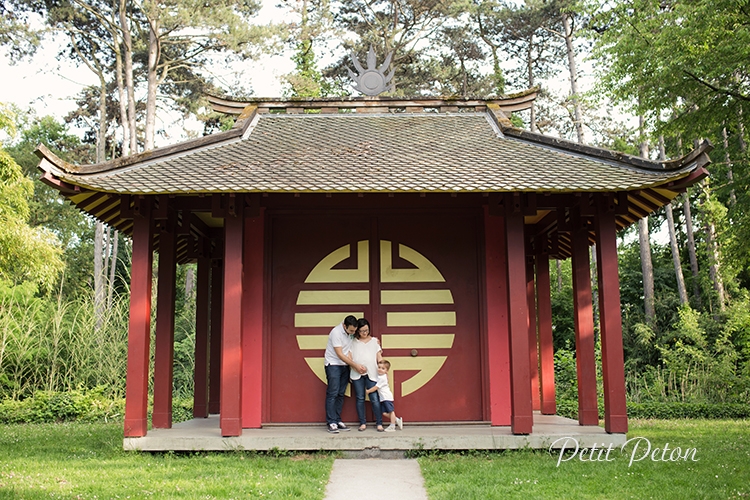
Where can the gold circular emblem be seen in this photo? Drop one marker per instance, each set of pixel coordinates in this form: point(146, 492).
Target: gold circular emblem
point(417, 322)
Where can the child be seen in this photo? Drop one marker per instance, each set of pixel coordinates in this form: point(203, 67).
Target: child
point(386, 396)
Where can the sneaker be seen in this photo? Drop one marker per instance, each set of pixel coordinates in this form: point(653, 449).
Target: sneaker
point(333, 428)
point(390, 428)
point(400, 423)
point(342, 427)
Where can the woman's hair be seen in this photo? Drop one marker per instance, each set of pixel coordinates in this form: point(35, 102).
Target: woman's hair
point(363, 322)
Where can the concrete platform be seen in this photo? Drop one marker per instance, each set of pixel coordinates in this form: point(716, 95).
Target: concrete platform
point(205, 434)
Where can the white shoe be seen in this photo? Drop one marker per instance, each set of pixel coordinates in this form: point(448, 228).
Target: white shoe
point(390, 428)
point(400, 423)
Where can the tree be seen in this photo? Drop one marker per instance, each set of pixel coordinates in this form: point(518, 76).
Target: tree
point(27, 254)
point(525, 33)
point(16, 31)
point(685, 60)
point(455, 70)
point(390, 26)
point(682, 290)
point(72, 229)
point(647, 265)
point(315, 23)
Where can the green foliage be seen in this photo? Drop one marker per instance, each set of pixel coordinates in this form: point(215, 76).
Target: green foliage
point(657, 57)
point(52, 344)
point(47, 211)
point(307, 80)
point(76, 405)
point(16, 31)
point(566, 375)
point(80, 405)
point(713, 411)
point(667, 410)
point(562, 304)
point(26, 253)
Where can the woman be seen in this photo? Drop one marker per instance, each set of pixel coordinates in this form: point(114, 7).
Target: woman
point(366, 351)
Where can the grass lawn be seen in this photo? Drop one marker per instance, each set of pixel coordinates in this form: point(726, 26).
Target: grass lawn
point(87, 461)
point(722, 469)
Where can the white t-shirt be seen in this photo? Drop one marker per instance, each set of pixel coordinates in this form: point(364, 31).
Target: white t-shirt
point(365, 354)
point(384, 391)
point(337, 338)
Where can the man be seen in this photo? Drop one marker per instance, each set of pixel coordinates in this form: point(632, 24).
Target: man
point(337, 365)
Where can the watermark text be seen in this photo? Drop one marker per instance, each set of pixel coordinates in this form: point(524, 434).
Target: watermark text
point(568, 448)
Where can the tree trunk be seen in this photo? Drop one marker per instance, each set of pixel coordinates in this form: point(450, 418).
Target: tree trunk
point(189, 283)
point(741, 129)
point(112, 269)
point(676, 256)
point(714, 262)
point(647, 266)
point(153, 61)
point(99, 273)
point(122, 98)
point(673, 239)
point(127, 43)
point(101, 139)
point(714, 259)
point(691, 249)
point(728, 160)
point(530, 70)
point(568, 27)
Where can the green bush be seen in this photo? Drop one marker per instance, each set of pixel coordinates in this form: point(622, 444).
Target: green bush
point(569, 408)
point(81, 406)
point(45, 406)
point(688, 410)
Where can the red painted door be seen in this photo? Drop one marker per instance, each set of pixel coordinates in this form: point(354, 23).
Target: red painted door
point(413, 276)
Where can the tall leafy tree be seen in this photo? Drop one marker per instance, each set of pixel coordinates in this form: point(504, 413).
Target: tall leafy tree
point(27, 254)
point(72, 229)
point(684, 59)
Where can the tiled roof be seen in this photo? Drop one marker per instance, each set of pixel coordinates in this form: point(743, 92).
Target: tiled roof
point(394, 152)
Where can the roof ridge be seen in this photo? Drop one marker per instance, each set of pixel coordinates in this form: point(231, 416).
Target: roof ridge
point(699, 154)
point(245, 120)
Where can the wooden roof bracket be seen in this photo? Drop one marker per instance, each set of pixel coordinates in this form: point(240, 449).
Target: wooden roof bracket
point(62, 186)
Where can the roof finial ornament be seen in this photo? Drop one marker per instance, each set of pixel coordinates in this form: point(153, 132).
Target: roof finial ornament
point(371, 81)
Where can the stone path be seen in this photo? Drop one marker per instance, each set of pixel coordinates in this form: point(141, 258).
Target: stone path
point(375, 479)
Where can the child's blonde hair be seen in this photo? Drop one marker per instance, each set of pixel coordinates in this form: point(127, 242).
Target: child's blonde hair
point(386, 363)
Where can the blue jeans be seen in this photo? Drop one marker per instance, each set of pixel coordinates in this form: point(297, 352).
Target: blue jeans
point(338, 378)
point(360, 386)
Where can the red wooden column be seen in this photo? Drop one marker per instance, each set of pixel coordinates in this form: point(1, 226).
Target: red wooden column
point(546, 352)
point(252, 322)
point(214, 368)
point(498, 342)
point(522, 418)
point(613, 364)
point(202, 315)
point(533, 351)
point(164, 343)
point(231, 325)
point(139, 327)
point(588, 413)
